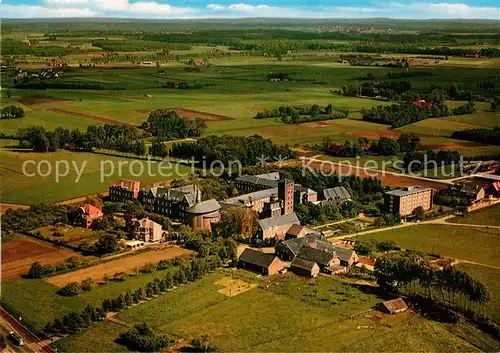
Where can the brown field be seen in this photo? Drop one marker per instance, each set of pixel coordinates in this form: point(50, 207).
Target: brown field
point(31, 100)
point(88, 117)
point(192, 114)
point(126, 265)
point(19, 254)
point(376, 134)
point(451, 145)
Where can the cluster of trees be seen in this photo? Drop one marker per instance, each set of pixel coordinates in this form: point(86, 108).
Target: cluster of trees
point(416, 161)
point(227, 149)
point(387, 220)
point(412, 275)
point(302, 114)
point(40, 84)
point(367, 247)
point(106, 244)
point(143, 338)
point(12, 112)
point(398, 115)
point(488, 136)
point(17, 47)
point(186, 85)
point(117, 137)
point(319, 214)
point(188, 271)
point(37, 270)
point(168, 125)
point(238, 222)
point(73, 288)
point(385, 146)
point(372, 88)
point(36, 216)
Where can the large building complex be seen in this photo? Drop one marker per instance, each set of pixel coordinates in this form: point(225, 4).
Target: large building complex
point(405, 201)
point(125, 190)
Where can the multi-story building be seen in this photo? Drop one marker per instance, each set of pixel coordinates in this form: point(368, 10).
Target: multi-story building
point(252, 183)
point(203, 214)
point(125, 190)
point(172, 203)
point(286, 190)
point(84, 215)
point(255, 200)
point(149, 231)
point(405, 201)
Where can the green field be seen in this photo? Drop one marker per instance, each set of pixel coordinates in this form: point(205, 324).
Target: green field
point(486, 216)
point(465, 243)
point(18, 187)
point(71, 235)
point(267, 319)
point(491, 278)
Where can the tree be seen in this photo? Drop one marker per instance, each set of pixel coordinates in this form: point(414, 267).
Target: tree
point(408, 142)
point(364, 247)
point(36, 270)
point(158, 149)
point(203, 344)
point(419, 213)
point(87, 284)
point(142, 338)
point(70, 290)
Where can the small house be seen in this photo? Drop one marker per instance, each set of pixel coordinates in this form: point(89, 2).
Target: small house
point(324, 259)
point(84, 215)
point(394, 306)
point(303, 267)
point(263, 263)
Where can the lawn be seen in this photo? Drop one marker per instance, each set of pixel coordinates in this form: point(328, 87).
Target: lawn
point(466, 243)
point(486, 216)
point(99, 171)
point(69, 234)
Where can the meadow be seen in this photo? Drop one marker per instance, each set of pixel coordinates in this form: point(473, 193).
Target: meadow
point(465, 243)
point(280, 315)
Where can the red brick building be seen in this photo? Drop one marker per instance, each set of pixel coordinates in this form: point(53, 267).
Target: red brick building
point(257, 261)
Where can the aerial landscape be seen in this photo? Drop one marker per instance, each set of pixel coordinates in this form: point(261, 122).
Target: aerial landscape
point(249, 177)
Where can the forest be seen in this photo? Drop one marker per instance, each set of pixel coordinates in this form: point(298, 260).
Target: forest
point(302, 114)
point(488, 136)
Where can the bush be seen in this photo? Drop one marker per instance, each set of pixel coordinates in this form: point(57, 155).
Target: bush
point(143, 339)
point(70, 290)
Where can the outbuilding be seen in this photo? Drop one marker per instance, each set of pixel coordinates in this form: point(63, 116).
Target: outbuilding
point(303, 267)
point(394, 306)
point(257, 261)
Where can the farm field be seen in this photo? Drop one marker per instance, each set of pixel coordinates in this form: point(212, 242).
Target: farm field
point(99, 171)
point(486, 216)
point(465, 243)
point(236, 322)
point(123, 265)
point(19, 253)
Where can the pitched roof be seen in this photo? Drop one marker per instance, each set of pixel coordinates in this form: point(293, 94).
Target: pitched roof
point(298, 230)
point(321, 257)
point(339, 193)
point(247, 199)
point(207, 206)
point(91, 210)
point(313, 241)
point(303, 264)
point(270, 176)
point(148, 223)
point(343, 254)
point(279, 221)
point(395, 305)
point(257, 257)
point(255, 179)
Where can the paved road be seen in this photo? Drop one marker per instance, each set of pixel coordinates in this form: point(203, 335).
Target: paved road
point(32, 343)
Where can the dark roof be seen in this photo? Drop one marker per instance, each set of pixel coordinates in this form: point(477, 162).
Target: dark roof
point(395, 305)
point(257, 258)
point(343, 254)
point(208, 206)
point(254, 179)
point(410, 190)
point(312, 241)
point(279, 221)
point(303, 264)
point(338, 193)
point(321, 257)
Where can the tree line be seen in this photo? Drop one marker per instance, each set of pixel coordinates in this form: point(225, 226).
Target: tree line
point(372, 88)
point(168, 125)
point(12, 112)
point(117, 137)
point(416, 161)
point(226, 149)
point(488, 136)
point(398, 115)
point(302, 114)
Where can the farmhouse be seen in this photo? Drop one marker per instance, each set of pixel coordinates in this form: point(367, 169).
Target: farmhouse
point(276, 227)
point(394, 306)
point(299, 231)
point(84, 215)
point(203, 214)
point(263, 263)
point(405, 201)
point(324, 259)
point(347, 257)
point(149, 231)
point(125, 190)
point(304, 267)
point(421, 103)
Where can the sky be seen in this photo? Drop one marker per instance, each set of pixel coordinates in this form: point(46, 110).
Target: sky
point(178, 9)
